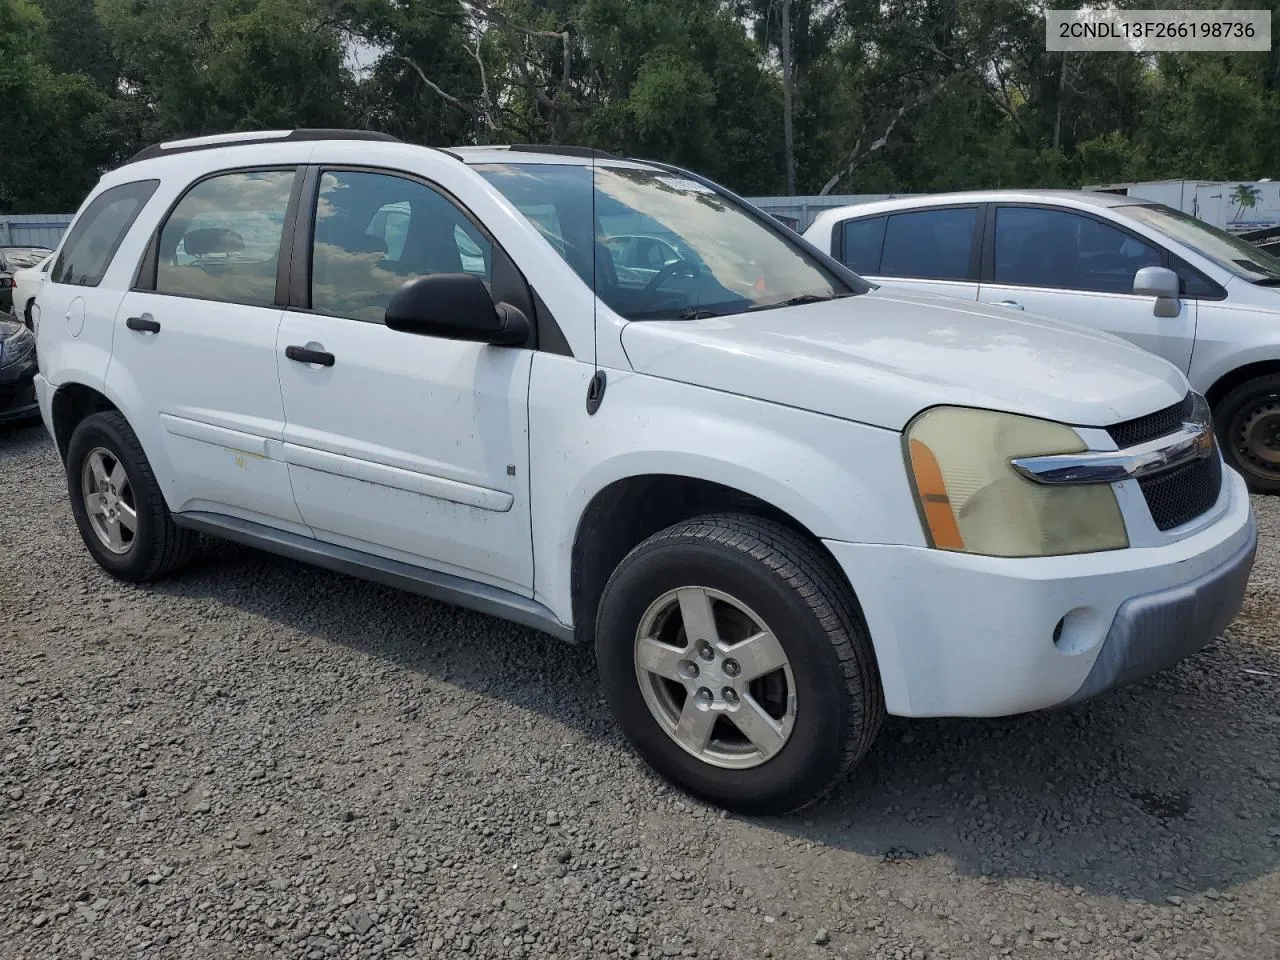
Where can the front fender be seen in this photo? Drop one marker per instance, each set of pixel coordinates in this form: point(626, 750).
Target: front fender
point(840, 480)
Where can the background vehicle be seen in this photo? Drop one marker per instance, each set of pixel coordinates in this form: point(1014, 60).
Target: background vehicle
point(1205, 300)
point(731, 477)
point(13, 259)
point(26, 287)
point(17, 372)
point(1267, 240)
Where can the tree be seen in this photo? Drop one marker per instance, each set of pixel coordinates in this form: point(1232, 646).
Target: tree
point(45, 161)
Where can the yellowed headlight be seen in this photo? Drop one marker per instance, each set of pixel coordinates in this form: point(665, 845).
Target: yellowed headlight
point(972, 500)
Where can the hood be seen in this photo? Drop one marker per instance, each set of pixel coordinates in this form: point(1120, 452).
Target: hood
point(881, 358)
point(9, 327)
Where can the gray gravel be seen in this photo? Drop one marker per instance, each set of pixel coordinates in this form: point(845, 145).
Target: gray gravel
point(261, 759)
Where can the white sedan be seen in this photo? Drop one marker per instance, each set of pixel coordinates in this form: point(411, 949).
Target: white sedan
point(1201, 298)
point(26, 287)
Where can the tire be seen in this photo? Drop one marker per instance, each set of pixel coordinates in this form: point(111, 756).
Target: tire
point(833, 701)
point(1247, 421)
point(156, 546)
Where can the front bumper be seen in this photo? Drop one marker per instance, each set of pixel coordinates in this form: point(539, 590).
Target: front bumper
point(962, 635)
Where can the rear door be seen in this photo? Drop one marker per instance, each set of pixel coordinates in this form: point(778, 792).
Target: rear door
point(1077, 267)
point(931, 250)
point(195, 344)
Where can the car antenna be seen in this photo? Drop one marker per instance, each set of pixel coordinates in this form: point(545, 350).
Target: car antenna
point(595, 388)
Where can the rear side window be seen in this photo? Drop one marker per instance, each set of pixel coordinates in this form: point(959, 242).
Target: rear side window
point(222, 240)
point(98, 233)
point(861, 243)
point(930, 244)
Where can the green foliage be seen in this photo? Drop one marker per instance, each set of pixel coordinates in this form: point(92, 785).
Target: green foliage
point(904, 95)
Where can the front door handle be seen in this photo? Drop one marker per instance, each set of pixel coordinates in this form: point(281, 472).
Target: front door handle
point(1011, 304)
point(143, 324)
point(307, 355)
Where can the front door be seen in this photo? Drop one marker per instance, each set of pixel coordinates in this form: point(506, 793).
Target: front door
point(407, 446)
point(1080, 269)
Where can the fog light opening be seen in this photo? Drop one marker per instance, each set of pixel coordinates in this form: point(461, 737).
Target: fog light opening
point(1078, 632)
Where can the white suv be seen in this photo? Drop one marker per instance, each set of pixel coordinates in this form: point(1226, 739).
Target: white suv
point(776, 506)
point(1204, 300)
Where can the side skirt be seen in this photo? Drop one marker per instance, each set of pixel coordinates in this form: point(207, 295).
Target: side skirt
point(444, 587)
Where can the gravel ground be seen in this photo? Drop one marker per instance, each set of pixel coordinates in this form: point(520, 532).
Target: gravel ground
point(261, 759)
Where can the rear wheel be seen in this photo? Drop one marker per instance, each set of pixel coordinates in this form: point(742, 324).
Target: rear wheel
point(117, 503)
point(1248, 425)
point(736, 662)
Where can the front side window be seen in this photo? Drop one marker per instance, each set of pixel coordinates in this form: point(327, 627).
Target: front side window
point(1040, 247)
point(930, 244)
point(222, 241)
point(98, 233)
point(374, 232)
point(656, 245)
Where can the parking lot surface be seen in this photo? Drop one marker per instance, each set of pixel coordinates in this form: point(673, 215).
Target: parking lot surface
point(261, 759)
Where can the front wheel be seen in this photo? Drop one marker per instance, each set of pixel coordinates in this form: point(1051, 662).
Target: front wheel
point(1248, 426)
point(737, 663)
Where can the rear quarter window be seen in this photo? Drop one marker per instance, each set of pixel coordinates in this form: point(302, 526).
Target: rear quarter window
point(861, 242)
point(98, 233)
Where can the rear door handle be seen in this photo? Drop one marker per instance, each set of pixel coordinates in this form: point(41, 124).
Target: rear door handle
point(1011, 304)
point(143, 324)
point(307, 355)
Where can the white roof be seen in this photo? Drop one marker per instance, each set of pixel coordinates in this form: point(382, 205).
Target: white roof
point(1081, 199)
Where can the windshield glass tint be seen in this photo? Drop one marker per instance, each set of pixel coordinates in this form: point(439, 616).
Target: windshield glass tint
point(1231, 253)
point(655, 245)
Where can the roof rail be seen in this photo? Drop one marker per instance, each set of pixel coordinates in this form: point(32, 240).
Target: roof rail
point(256, 136)
point(566, 151)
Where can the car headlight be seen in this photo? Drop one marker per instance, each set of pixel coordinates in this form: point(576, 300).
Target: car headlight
point(972, 500)
point(17, 347)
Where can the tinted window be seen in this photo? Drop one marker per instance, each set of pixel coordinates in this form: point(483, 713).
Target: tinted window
point(930, 244)
point(1192, 282)
point(862, 242)
point(1038, 247)
point(98, 232)
point(222, 241)
point(374, 232)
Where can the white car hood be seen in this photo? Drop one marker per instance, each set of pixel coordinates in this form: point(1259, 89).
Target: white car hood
point(880, 358)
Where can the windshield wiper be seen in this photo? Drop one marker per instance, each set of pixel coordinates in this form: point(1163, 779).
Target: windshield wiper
point(801, 300)
point(695, 313)
point(1266, 282)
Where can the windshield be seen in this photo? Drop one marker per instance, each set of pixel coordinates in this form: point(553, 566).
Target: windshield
point(1231, 253)
point(657, 245)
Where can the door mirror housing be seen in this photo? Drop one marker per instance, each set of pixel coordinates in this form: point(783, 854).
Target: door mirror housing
point(1161, 283)
point(455, 306)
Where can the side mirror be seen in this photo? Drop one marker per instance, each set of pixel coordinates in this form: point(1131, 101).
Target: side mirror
point(455, 306)
point(1161, 283)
